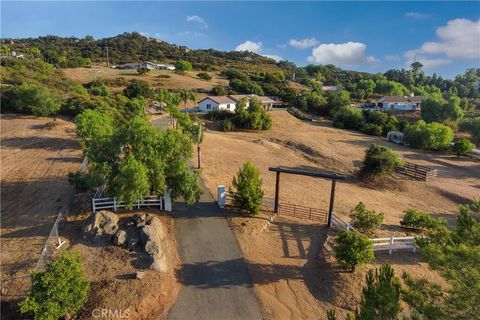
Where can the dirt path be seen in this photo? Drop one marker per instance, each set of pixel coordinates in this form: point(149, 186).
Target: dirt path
point(216, 281)
point(36, 157)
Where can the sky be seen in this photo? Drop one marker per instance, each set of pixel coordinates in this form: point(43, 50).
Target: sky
point(360, 35)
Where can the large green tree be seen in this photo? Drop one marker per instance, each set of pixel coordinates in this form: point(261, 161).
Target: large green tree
point(35, 99)
point(435, 109)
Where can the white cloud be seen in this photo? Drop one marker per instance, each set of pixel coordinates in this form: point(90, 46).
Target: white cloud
point(273, 56)
point(349, 53)
point(303, 43)
point(199, 20)
point(392, 57)
point(458, 39)
point(249, 46)
point(256, 47)
point(417, 15)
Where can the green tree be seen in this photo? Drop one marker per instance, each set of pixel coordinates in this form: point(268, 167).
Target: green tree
point(248, 185)
point(381, 295)
point(35, 99)
point(353, 249)
point(93, 124)
point(336, 100)
point(435, 109)
point(380, 161)
point(138, 88)
point(204, 76)
point(421, 220)
point(462, 147)
point(59, 291)
point(365, 220)
point(131, 182)
point(186, 95)
point(182, 66)
point(429, 136)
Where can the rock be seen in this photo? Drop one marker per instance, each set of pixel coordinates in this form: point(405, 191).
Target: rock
point(138, 217)
point(120, 238)
point(101, 226)
point(140, 274)
point(152, 236)
point(160, 263)
point(132, 243)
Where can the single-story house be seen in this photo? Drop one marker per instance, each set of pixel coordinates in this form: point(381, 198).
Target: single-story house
point(330, 88)
point(401, 103)
point(211, 103)
point(146, 64)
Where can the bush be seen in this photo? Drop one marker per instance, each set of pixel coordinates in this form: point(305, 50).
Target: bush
point(472, 126)
point(83, 182)
point(353, 249)
point(372, 129)
point(420, 220)
point(228, 125)
point(219, 91)
point(254, 118)
point(431, 136)
point(59, 291)
point(38, 100)
point(380, 161)
point(142, 71)
point(348, 118)
point(219, 115)
point(137, 88)
point(182, 65)
point(204, 76)
point(462, 147)
point(248, 87)
point(365, 220)
point(248, 185)
point(101, 90)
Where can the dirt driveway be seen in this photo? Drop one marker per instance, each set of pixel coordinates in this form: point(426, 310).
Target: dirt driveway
point(36, 156)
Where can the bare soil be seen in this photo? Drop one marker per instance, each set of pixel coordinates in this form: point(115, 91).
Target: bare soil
point(301, 279)
point(36, 156)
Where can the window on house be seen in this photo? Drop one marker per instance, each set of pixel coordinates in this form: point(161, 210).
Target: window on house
point(228, 106)
point(209, 106)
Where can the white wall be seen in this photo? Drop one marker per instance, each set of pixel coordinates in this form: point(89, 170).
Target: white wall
point(204, 104)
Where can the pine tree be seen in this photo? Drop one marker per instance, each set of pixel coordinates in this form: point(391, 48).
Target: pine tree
point(248, 185)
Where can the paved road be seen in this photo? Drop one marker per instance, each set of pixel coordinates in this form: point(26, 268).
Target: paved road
point(216, 281)
point(214, 274)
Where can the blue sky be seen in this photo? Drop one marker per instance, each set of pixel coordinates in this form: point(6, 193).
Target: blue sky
point(369, 36)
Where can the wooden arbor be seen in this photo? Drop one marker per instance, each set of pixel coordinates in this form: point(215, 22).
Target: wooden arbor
point(310, 173)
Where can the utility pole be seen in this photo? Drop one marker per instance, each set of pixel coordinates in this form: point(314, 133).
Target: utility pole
point(108, 61)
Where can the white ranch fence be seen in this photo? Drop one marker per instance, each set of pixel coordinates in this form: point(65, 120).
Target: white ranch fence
point(337, 221)
point(100, 202)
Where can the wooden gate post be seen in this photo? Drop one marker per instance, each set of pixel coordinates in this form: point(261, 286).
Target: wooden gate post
point(277, 192)
point(332, 200)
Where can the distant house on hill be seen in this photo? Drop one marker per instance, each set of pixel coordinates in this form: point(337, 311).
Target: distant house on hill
point(330, 88)
point(146, 64)
point(401, 103)
point(212, 103)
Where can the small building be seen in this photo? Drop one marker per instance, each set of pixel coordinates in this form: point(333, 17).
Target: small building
point(400, 103)
point(396, 137)
point(212, 103)
point(330, 88)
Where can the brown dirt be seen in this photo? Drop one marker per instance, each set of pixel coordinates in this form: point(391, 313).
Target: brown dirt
point(187, 80)
point(111, 271)
point(36, 157)
point(303, 280)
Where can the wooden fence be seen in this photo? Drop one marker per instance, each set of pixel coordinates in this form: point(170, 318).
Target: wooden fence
point(417, 171)
point(302, 212)
point(267, 202)
point(394, 243)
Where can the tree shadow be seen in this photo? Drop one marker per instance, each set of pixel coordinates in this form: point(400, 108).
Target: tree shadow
point(45, 143)
point(67, 159)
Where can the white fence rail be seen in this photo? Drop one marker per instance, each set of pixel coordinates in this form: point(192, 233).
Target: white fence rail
point(337, 221)
point(394, 243)
point(99, 202)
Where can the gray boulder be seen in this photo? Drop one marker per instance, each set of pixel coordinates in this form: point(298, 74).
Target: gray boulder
point(101, 226)
point(120, 238)
point(152, 237)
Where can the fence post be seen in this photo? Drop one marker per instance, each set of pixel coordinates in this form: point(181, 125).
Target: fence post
point(167, 200)
point(391, 245)
point(93, 204)
point(221, 195)
point(114, 204)
point(138, 203)
point(310, 214)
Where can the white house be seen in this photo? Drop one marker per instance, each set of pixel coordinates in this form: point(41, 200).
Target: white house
point(329, 88)
point(211, 103)
point(401, 103)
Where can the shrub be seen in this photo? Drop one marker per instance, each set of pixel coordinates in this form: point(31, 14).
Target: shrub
point(137, 88)
point(249, 87)
point(353, 249)
point(219, 91)
point(248, 185)
point(435, 109)
point(219, 115)
point(462, 147)
point(420, 220)
point(381, 295)
point(472, 126)
point(372, 129)
point(348, 118)
point(365, 220)
point(431, 136)
point(228, 125)
point(101, 90)
point(59, 291)
point(380, 161)
point(254, 118)
point(83, 182)
point(38, 100)
point(204, 76)
point(142, 71)
point(182, 65)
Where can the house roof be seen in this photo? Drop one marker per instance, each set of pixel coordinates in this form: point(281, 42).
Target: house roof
point(219, 99)
point(416, 99)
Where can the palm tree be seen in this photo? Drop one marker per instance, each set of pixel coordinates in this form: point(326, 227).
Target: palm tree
point(197, 138)
point(185, 95)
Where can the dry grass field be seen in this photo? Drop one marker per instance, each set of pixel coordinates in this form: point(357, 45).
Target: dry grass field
point(154, 77)
point(291, 261)
point(36, 156)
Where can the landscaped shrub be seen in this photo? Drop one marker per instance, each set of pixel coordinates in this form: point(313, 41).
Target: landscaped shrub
point(431, 136)
point(248, 193)
point(204, 76)
point(228, 125)
point(254, 117)
point(219, 115)
point(379, 161)
point(348, 118)
point(462, 147)
point(353, 249)
point(420, 220)
point(60, 290)
point(364, 219)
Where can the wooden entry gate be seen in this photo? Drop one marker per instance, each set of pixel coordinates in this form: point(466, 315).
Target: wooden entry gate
point(302, 212)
